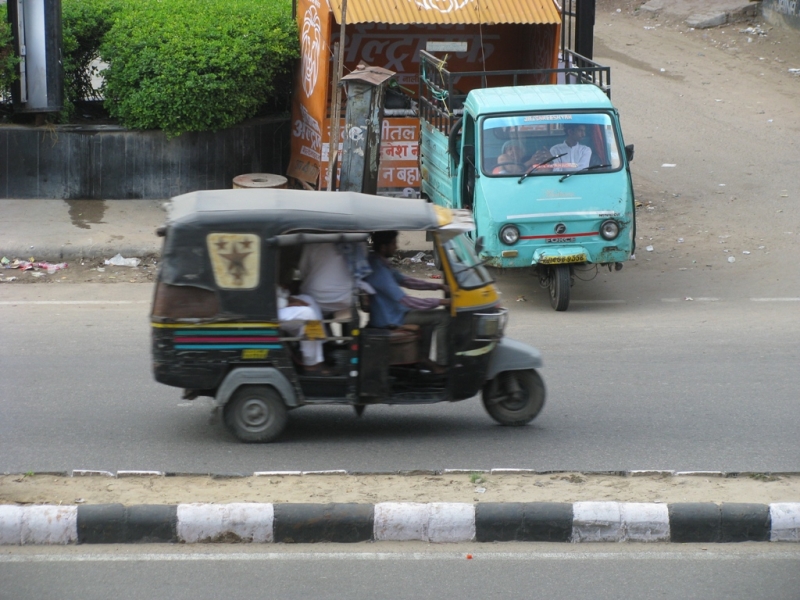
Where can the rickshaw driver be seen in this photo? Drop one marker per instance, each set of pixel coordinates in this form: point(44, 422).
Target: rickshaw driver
point(390, 307)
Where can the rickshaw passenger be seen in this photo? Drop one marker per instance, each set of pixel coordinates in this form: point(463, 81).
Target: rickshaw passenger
point(390, 307)
point(327, 273)
point(293, 311)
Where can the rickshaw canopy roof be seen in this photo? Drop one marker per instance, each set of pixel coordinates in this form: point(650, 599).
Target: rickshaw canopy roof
point(277, 211)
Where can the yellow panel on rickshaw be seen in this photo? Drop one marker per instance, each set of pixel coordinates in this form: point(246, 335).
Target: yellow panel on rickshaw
point(235, 259)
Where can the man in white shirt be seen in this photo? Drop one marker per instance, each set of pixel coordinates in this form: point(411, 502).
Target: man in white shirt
point(575, 156)
point(324, 276)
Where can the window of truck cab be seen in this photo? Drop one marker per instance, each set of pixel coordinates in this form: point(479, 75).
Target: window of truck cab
point(510, 141)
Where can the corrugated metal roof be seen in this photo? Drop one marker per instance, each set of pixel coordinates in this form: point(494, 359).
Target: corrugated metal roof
point(447, 12)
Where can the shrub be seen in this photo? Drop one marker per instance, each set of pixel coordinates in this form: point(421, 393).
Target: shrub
point(196, 65)
point(8, 60)
point(84, 25)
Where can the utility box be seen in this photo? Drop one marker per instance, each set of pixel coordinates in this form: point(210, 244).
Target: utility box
point(36, 27)
point(365, 87)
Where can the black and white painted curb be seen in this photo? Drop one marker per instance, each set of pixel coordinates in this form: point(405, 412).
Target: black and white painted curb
point(436, 522)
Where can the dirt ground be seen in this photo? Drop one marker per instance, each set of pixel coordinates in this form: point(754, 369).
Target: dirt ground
point(460, 487)
point(85, 271)
point(96, 271)
point(706, 109)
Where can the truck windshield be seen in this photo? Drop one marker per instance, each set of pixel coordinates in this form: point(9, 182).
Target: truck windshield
point(549, 144)
point(467, 269)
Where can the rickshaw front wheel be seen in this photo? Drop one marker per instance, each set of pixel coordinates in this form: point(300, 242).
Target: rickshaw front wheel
point(514, 397)
point(256, 414)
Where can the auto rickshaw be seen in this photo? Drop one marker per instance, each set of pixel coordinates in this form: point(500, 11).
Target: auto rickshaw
point(216, 332)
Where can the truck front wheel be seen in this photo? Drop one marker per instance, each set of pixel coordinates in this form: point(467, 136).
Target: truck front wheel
point(559, 287)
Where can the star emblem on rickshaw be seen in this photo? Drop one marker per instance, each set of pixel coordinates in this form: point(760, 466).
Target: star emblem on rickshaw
point(236, 260)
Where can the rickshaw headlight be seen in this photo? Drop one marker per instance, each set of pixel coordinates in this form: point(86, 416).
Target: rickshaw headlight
point(609, 229)
point(509, 235)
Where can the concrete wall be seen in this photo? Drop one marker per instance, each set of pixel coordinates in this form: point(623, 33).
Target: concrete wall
point(782, 12)
point(109, 162)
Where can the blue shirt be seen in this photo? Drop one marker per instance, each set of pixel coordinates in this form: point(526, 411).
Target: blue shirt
point(385, 308)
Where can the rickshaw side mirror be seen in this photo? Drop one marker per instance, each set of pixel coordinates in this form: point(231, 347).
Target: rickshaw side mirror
point(629, 152)
point(479, 245)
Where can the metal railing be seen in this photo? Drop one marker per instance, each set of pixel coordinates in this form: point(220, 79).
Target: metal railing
point(440, 99)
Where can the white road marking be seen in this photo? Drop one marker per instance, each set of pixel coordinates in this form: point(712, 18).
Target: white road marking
point(691, 299)
point(711, 555)
point(597, 302)
point(775, 299)
point(56, 302)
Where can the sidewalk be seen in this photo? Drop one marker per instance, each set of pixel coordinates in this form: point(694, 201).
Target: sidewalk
point(66, 230)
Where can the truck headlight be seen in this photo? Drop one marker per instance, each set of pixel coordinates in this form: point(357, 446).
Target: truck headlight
point(609, 229)
point(509, 235)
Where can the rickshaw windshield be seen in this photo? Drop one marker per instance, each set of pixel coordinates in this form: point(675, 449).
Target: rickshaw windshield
point(549, 144)
point(466, 267)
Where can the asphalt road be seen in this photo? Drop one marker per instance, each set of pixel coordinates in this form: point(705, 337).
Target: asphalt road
point(410, 570)
point(634, 382)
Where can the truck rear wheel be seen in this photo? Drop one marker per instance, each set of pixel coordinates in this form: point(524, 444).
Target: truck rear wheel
point(559, 287)
point(256, 413)
point(514, 397)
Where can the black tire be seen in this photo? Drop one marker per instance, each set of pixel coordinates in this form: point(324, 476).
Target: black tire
point(256, 414)
point(559, 287)
point(510, 407)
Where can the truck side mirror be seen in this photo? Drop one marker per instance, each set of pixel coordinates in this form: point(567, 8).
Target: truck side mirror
point(629, 152)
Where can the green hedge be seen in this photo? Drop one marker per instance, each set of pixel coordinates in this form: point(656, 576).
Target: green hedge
point(196, 65)
point(175, 65)
point(84, 25)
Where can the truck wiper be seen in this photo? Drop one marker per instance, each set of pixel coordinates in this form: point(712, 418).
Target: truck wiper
point(534, 167)
point(592, 168)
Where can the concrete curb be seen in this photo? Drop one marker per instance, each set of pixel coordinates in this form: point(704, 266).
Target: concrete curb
point(436, 522)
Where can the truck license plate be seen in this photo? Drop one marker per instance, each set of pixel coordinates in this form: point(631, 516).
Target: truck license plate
point(560, 260)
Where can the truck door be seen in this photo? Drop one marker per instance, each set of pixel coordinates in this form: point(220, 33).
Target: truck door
point(467, 169)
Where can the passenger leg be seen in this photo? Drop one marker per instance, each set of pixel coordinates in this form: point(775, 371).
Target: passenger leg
point(292, 320)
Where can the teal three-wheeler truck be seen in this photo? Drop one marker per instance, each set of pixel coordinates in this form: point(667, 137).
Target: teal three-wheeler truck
point(543, 168)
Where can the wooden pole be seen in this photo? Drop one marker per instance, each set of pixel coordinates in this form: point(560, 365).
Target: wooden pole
point(338, 55)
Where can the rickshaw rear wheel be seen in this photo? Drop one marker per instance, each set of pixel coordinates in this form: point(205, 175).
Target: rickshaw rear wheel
point(514, 397)
point(559, 287)
point(256, 414)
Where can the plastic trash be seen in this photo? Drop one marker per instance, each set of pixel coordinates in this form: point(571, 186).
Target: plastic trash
point(731, 259)
point(418, 257)
point(649, 248)
point(745, 251)
point(680, 240)
point(119, 261)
